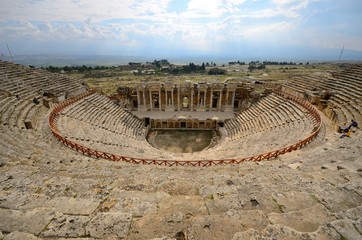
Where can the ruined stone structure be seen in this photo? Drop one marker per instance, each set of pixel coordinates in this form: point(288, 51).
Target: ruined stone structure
point(183, 123)
point(157, 99)
point(199, 97)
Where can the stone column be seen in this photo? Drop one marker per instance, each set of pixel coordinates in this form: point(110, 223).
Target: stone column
point(166, 98)
point(211, 95)
point(198, 98)
point(138, 98)
point(159, 101)
point(227, 98)
point(204, 103)
point(220, 100)
point(233, 99)
point(144, 97)
point(192, 100)
point(178, 99)
point(172, 97)
point(151, 102)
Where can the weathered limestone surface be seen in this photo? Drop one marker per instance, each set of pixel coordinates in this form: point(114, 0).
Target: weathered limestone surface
point(302, 195)
point(286, 233)
point(16, 235)
point(109, 224)
point(73, 206)
point(32, 221)
point(66, 226)
point(48, 191)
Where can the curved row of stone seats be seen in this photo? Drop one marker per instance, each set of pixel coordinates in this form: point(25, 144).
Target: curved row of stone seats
point(22, 122)
point(85, 123)
point(20, 112)
point(343, 81)
point(268, 113)
point(228, 149)
point(106, 139)
point(33, 116)
point(342, 114)
point(345, 101)
point(30, 146)
point(348, 90)
point(126, 147)
point(99, 111)
point(268, 140)
point(353, 72)
point(252, 144)
point(23, 81)
point(299, 85)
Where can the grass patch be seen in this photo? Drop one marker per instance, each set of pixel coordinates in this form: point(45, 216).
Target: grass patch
point(274, 73)
point(210, 197)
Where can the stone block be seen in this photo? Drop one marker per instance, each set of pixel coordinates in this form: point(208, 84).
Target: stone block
point(306, 220)
point(16, 235)
point(32, 221)
point(73, 205)
point(346, 229)
point(66, 226)
point(114, 224)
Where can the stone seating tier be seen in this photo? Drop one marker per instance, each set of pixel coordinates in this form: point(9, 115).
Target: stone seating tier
point(21, 81)
point(345, 102)
point(352, 92)
point(270, 112)
point(99, 110)
point(93, 131)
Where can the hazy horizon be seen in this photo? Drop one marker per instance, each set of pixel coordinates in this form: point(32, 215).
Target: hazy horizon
point(59, 60)
point(43, 60)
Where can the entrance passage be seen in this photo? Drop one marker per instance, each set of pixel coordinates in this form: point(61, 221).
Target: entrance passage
point(180, 141)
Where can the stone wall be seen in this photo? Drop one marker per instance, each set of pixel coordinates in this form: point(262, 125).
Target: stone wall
point(224, 97)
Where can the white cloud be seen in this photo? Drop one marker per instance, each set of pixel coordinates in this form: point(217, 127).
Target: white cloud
point(203, 25)
point(203, 8)
point(290, 8)
point(150, 19)
point(69, 10)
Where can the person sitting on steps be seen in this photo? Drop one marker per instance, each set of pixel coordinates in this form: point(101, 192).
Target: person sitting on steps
point(353, 124)
point(346, 133)
point(36, 101)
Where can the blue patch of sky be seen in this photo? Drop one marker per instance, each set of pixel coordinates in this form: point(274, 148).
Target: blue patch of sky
point(344, 11)
point(148, 13)
point(326, 16)
point(178, 6)
point(9, 23)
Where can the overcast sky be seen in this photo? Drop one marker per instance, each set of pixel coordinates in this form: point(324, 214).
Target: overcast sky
point(181, 28)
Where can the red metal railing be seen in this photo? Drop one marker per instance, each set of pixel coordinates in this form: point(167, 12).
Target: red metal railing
point(53, 117)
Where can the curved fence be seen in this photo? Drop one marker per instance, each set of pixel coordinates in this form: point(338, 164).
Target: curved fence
point(53, 117)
